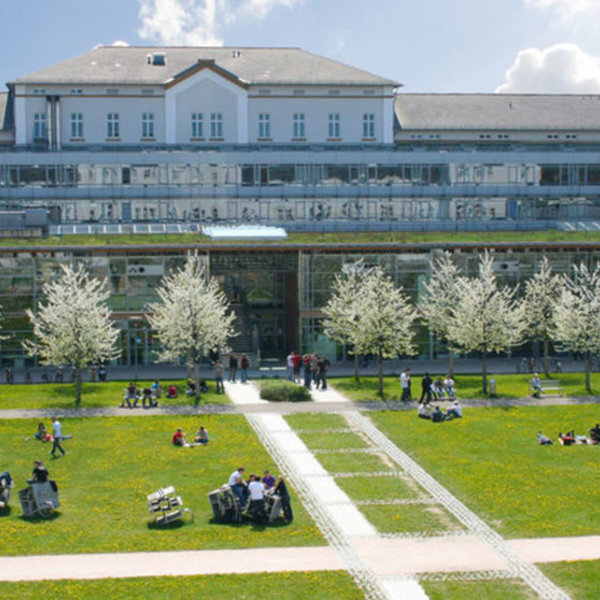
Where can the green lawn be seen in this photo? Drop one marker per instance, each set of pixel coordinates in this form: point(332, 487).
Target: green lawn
point(578, 578)
point(267, 586)
point(378, 488)
point(491, 461)
point(468, 387)
point(95, 395)
point(112, 464)
point(478, 590)
point(316, 421)
point(409, 518)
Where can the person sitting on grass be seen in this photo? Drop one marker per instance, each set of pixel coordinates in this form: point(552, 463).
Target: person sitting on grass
point(437, 416)
point(42, 434)
point(544, 440)
point(424, 411)
point(449, 386)
point(566, 439)
point(179, 438)
point(156, 389)
point(201, 437)
point(455, 411)
point(171, 392)
point(595, 434)
point(190, 389)
point(437, 387)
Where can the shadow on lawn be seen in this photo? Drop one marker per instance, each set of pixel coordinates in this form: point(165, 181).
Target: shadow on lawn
point(38, 519)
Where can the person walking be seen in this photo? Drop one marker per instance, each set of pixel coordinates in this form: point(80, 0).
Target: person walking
point(405, 385)
point(58, 436)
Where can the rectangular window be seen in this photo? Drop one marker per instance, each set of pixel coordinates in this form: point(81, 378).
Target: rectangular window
point(112, 125)
point(39, 126)
point(334, 125)
point(299, 128)
point(369, 125)
point(216, 125)
point(264, 125)
point(76, 125)
point(197, 125)
point(147, 125)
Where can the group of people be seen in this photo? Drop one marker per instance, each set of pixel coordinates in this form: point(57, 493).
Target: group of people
point(243, 364)
point(570, 439)
point(438, 389)
point(308, 369)
point(200, 439)
point(436, 415)
point(56, 437)
point(149, 395)
point(252, 493)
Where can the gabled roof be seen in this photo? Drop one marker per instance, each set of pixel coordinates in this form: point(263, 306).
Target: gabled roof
point(498, 111)
point(123, 65)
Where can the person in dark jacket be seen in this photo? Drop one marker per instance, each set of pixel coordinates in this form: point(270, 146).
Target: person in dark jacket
point(282, 491)
point(426, 389)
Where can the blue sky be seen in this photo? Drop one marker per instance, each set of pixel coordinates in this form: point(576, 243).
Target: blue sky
point(427, 45)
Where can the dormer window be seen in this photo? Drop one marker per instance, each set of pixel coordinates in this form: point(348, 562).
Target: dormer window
point(158, 59)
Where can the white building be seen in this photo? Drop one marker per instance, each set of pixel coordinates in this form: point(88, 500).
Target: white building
point(124, 134)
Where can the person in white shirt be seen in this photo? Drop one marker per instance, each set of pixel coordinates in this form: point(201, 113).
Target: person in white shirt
point(449, 386)
point(455, 411)
point(58, 436)
point(257, 499)
point(405, 385)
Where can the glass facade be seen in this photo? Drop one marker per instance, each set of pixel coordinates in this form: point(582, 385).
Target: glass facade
point(277, 294)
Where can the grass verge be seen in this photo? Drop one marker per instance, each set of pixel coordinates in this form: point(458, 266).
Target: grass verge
point(468, 387)
point(578, 578)
point(94, 395)
point(477, 590)
point(271, 586)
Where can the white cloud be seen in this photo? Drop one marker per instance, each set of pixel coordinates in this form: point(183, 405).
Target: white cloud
point(120, 43)
point(568, 10)
point(199, 22)
point(562, 68)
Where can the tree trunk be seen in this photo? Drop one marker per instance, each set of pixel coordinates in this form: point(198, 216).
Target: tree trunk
point(79, 385)
point(451, 363)
point(484, 372)
point(546, 361)
point(380, 372)
point(588, 368)
point(356, 366)
point(197, 378)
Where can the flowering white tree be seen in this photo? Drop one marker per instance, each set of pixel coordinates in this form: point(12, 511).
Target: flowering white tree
point(192, 317)
point(486, 317)
point(539, 300)
point(577, 315)
point(379, 319)
point(441, 296)
point(72, 325)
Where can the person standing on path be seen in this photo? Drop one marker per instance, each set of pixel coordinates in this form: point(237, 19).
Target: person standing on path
point(289, 363)
point(325, 367)
point(219, 372)
point(405, 385)
point(58, 436)
point(233, 367)
point(426, 383)
point(245, 365)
